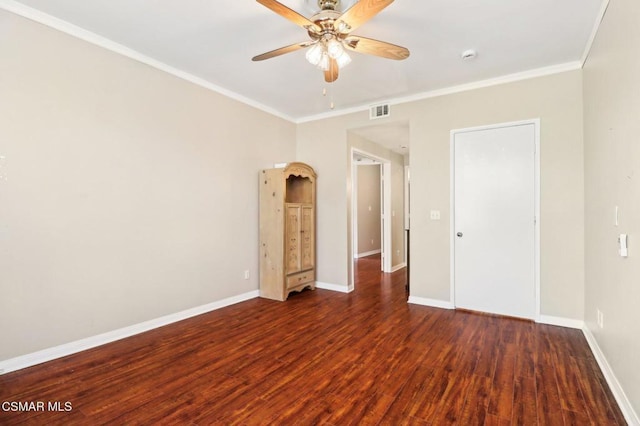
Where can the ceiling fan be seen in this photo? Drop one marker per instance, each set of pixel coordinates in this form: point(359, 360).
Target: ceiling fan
point(330, 33)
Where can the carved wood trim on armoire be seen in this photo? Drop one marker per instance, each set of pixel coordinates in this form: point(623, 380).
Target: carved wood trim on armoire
point(287, 230)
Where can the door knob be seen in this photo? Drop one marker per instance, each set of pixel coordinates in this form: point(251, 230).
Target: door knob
point(459, 234)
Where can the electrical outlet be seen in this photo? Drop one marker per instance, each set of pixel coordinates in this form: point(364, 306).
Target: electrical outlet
point(372, 241)
point(246, 275)
point(435, 214)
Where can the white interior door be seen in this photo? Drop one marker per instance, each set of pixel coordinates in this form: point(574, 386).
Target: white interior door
point(494, 220)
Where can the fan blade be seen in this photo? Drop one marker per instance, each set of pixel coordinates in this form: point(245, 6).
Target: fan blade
point(282, 51)
point(331, 74)
point(360, 13)
point(375, 47)
point(289, 14)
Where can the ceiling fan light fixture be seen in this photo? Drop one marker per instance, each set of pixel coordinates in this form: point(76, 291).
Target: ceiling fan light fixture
point(321, 54)
point(314, 54)
point(323, 64)
point(334, 48)
point(342, 27)
point(343, 60)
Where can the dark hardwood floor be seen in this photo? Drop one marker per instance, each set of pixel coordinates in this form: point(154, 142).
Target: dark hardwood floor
point(330, 359)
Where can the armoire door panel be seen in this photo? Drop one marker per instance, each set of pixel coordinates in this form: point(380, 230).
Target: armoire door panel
point(306, 238)
point(292, 239)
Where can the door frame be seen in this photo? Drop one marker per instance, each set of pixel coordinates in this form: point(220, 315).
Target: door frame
point(536, 124)
point(385, 170)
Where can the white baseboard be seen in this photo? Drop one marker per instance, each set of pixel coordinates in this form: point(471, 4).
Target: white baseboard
point(66, 349)
point(398, 267)
point(561, 322)
point(621, 398)
point(367, 253)
point(334, 287)
point(434, 303)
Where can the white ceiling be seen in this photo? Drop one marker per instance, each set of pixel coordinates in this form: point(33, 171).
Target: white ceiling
point(215, 40)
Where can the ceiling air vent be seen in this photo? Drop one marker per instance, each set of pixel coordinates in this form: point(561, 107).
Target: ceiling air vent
point(379, 111)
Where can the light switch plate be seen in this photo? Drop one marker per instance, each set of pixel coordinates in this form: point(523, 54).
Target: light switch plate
point(435, 214)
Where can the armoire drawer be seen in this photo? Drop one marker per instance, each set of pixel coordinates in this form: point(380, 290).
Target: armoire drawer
point(300, 278)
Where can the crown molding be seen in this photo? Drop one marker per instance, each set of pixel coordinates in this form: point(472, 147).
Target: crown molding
point(98, 40)
point(510, 78)
point(594, 31)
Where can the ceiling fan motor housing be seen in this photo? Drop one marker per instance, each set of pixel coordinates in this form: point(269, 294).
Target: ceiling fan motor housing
point(328, 4)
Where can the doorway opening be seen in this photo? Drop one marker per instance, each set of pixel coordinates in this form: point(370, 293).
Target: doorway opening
point(371, 208)
point(368, 202)
point(387, 145)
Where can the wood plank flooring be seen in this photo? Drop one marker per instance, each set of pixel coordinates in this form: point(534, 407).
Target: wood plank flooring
point(326, 358)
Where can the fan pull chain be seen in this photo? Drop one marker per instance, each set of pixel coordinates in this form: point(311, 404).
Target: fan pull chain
point(329, 88)
point(331, 104)
point(324, 93)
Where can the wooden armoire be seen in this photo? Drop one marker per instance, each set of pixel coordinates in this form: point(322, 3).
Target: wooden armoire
point(287, 230)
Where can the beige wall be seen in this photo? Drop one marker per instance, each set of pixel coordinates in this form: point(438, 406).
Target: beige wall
point(612, 178)
point(129, 194)
point(556, 100)
point(368, 207)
